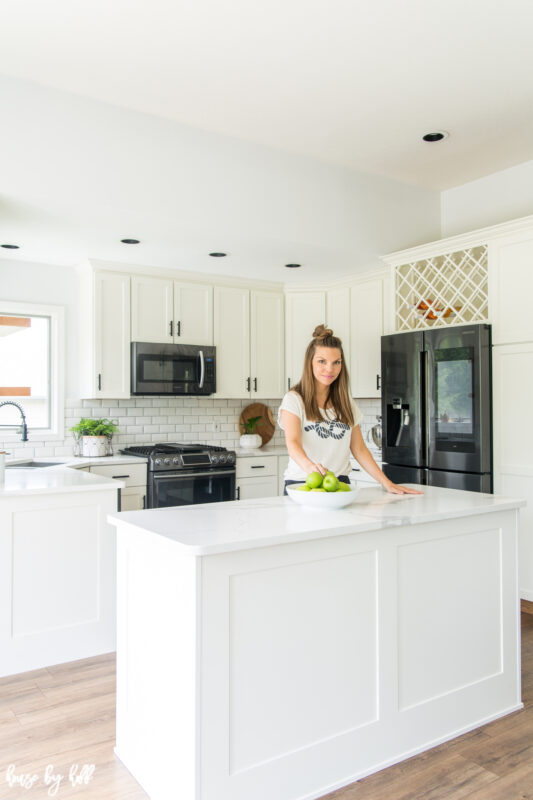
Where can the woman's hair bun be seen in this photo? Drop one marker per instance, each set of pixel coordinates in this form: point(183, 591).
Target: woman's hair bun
point(321, 332)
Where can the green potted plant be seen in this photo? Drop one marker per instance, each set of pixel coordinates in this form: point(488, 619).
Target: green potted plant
point(249, 438)
point(95, 436)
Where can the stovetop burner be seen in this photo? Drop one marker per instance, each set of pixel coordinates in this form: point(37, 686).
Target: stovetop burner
point(170, 455)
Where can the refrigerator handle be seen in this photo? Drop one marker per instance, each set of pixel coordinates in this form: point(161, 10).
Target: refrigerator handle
point(425, 357)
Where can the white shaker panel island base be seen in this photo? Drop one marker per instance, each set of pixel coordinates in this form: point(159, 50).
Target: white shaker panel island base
point(57, 567)
point(269, 651)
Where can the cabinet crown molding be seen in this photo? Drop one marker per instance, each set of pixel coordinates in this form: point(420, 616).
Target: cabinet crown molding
point(460, 242)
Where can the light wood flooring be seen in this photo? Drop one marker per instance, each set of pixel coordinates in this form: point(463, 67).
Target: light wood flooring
point(65, 715)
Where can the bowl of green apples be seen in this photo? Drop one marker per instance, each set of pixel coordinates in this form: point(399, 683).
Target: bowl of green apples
point(325, 491)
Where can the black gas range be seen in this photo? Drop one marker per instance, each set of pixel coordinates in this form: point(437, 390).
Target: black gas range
point(186, 474)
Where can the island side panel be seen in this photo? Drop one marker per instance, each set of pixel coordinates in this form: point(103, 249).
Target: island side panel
point(157, 664)
point(325, 661)
point(57, 578)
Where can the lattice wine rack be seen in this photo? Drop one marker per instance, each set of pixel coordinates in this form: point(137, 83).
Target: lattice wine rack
point(449, 289)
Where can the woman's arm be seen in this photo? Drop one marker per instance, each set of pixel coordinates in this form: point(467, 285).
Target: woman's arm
point(363, 455)
point(292, 427)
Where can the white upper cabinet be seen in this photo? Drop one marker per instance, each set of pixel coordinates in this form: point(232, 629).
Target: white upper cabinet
point(367, 327)
point(304, 311)
point(110, 359)
point(267, 340)
point(338, 317)
point(169, 311)
point(511, 288)
point(152, 306)
point(232, 340)
point(193, 313)
point(248, 334)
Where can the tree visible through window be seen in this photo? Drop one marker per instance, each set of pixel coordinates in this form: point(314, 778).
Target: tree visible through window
point(25, 369)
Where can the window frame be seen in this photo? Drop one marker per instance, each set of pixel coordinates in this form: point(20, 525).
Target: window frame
point(56, 314)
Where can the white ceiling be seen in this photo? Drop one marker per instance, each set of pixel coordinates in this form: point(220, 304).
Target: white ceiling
point(354, 83)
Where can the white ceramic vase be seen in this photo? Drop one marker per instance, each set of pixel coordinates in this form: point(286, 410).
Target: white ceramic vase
point(94, 446)
point(251, 440)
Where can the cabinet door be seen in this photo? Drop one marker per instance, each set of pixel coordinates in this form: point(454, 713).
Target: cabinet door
point(133, 499)
point(513, 442)
point(111, 335)
point(250, 488)
point(366, 332)
point(232, 340)
point(151, 310)
point(304, 311)
point(338, 317)
point(193, 313)
point(511, 289)
point(267, 361)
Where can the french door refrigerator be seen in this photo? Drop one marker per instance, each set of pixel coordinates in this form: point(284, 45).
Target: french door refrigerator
point(437, 407)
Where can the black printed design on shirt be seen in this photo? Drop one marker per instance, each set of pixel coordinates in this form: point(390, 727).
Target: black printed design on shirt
point(327, 430)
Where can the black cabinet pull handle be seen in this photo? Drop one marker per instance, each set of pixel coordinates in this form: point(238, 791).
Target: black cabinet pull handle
point(144, 501)
point(121, 476)
point(258, 466)
point(247, 384)
point(170, 327)
point(238, 492)
point(288, 383)
point(99, 382)
point(255, 384)
point(378, 382)
point(179, 327)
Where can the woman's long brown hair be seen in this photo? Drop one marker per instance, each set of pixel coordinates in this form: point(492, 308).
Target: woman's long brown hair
point(339, 392)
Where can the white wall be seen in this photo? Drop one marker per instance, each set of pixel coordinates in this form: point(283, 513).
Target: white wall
point(82, 170)
point(495, 198)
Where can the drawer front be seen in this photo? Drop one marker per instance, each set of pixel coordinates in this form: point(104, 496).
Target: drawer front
point(131, 474)
point(257, 466)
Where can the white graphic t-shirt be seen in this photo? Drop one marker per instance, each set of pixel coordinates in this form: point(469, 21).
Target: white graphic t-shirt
point(326, 442)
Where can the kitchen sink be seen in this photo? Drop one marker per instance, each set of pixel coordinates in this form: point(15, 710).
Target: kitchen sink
point(32, 464)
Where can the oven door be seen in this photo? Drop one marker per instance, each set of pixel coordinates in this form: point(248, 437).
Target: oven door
point(185, 488)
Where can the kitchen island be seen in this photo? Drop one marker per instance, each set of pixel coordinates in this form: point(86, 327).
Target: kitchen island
point(269, 651)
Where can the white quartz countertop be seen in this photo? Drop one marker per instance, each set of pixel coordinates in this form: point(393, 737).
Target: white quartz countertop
point(274, 450)
point(61, 478)
point(245, 524)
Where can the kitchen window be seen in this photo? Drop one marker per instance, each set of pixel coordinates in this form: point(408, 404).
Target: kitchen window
point(31, 370)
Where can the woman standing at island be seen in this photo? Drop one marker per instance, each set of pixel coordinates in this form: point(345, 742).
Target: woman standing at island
point(322, 423)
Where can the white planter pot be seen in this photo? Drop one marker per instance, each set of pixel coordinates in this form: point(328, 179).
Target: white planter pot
point(94, 446)
point(251, 440)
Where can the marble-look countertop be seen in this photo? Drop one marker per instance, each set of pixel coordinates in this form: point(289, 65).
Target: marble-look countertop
point(63, 477)
point(223, 527)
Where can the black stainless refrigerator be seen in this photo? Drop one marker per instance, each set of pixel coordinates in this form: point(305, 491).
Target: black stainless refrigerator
point(437, 407)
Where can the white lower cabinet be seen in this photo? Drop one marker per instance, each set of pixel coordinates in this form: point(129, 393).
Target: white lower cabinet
point(257, 476)
point(513, 442)
point(133, 496)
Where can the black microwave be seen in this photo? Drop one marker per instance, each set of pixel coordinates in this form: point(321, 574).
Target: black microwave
point(172, 369)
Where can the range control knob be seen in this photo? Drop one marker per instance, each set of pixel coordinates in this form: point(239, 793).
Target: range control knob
point(214, 459)
point(175, 461)
point(157, 462)
point(231, 458)
point(167, 462)
point(222, 459)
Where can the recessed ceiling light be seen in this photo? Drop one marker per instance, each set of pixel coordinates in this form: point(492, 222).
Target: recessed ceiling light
point(10, 246)
point(218, 255)
point(293, 266)
point(436, 136)
point(130, 241)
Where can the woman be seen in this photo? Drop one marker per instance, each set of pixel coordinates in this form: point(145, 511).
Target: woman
point(321, 421)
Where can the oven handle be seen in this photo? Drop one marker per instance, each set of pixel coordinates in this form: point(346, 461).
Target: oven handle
point(211, 474)
point(202, 369)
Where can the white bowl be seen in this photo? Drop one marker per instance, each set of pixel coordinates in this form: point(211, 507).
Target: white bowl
point(328, 500)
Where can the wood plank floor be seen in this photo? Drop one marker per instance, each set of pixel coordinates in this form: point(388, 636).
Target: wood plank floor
point(65, 715)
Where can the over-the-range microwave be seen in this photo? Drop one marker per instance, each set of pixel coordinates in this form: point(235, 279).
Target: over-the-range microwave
point(172, 369)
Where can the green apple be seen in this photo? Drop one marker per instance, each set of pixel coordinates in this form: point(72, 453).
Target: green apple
point(318, 489)
point(343, 487)
point(314, 480)
point(330, 482)
point(302, 488)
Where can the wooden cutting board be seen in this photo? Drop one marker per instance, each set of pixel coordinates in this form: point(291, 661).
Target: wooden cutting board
point(265, 426)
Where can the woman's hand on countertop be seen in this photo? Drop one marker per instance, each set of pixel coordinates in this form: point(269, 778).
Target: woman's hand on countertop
point(396, 488)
